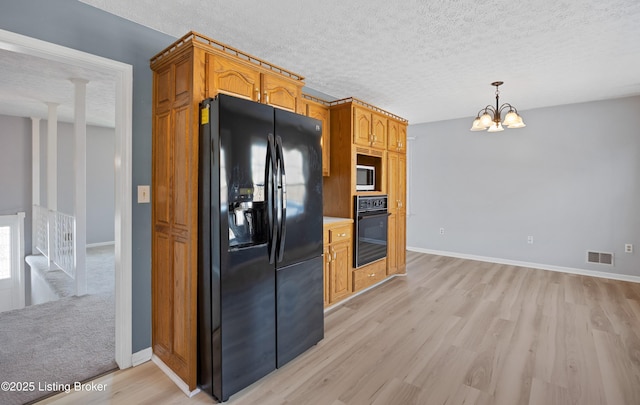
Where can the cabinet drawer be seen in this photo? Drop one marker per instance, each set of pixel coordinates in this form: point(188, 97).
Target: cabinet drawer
point(369, 275)
point(338, 234)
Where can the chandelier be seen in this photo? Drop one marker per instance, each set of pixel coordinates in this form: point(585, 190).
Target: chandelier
point(490, 118)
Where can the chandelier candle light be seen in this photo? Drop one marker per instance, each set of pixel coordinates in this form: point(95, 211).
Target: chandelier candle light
point(490, 119)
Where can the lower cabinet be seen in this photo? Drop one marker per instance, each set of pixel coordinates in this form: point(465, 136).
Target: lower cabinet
point(338, 258)
point(369, 275)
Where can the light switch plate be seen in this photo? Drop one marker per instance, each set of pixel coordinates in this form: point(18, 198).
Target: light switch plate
point(144, 194)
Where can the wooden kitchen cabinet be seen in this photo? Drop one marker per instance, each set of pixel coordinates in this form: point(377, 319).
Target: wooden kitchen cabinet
point(352, 122)
point(396, 254)
point(241, 78)
point(280, 92)
point(227, 76)
point(338, 260)
point(352, 119)
point(184, 74)
point(396, 136)
point(369, 275)
point(319, 109)
point(370, 128)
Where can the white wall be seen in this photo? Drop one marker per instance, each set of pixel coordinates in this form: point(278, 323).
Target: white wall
point(570, 179)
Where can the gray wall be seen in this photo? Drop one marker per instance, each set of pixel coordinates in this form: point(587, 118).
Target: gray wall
point(570, 179)
point(15, 174)
point(15, 170)
point(79, 26)
point(100, 177)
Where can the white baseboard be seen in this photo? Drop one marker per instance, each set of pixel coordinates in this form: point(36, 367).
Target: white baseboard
point(174, 377)
point(570, 270)
point(140, 357)
point(98, 244)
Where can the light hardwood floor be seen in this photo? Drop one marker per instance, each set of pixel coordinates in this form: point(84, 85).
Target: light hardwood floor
point(452, 331)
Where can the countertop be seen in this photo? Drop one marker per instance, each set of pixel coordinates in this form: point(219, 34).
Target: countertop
point(330, 220)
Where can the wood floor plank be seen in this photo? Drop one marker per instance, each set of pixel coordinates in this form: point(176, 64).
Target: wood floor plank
point(620, 379)
point(584, 379)
point(453, 331)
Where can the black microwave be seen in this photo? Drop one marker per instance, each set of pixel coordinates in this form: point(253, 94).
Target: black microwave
point(365, 178)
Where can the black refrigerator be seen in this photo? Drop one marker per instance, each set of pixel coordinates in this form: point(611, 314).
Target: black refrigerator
point(260, 271)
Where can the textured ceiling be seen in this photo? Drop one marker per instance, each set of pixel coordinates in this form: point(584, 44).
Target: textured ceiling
point(27, 83)
point(425, 60)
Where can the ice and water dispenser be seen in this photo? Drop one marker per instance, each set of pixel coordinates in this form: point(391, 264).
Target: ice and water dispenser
point(247, 216)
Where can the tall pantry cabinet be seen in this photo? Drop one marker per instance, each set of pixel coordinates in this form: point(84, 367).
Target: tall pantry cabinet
point(188, 71)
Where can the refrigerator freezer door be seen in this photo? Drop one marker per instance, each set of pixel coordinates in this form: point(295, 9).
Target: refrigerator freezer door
point(302, 156)
point(300, 308)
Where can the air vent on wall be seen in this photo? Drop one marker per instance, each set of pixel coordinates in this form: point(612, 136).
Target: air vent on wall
point(600, 257)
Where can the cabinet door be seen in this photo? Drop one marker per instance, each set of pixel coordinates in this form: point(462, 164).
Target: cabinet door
point(401, 242)
point(229, 77)
point(392, 247)
point(393, 135)
point(279, 92)
point(401, 180)
point(361, 127)
point(321, 112)
point(378, 131)
point(340, 269)
point(402, 138)
point(327, 273)
point(393, 201)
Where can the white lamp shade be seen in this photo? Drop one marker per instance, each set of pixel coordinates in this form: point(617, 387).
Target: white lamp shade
point(518, 123)
point(477, 126)
point(510, 118)
point(495, 127)
point(486, 120)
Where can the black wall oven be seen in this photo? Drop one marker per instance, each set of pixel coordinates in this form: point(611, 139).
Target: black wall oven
point(371, 219)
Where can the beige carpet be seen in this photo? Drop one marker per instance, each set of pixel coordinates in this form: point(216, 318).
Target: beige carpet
point(61, 342)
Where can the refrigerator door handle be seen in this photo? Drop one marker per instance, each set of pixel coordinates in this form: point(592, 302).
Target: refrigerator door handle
point(282, 191)
point(270, 182)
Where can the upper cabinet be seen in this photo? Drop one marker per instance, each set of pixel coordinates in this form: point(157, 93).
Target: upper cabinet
point(397, 136)
point(280, 92)
point(369, 128)
point(227, 70)
point(224, 75)
point(319, 109)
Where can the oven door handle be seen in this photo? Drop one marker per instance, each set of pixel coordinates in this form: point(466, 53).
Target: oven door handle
point(386, 214)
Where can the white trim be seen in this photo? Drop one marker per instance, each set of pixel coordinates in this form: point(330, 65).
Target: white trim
point(14, 287)
point(142, 356)
point(98, 244)
point(174, 377)
point(123, 133)
point(550, 267)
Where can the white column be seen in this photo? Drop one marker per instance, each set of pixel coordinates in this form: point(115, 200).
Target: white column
point(35, 179)
point(80, 210)
point(52, 157)
point(52, 173)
